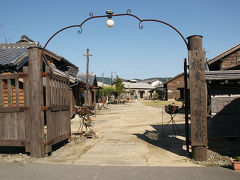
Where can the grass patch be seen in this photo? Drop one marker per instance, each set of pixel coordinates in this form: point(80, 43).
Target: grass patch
point(161, 103)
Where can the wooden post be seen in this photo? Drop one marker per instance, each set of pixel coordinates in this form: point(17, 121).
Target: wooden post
point(35, 102)
point(94, 97)
point(87, 77)
point(102, 87)
point(94, 100)
point(186, 105)
point(27, 111)
point(198, 98)
point(69, 102)
point(48, 104)
point(85, 98)
point(89, 98)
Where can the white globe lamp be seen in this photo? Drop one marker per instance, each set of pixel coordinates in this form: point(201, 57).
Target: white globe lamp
point(110, 23)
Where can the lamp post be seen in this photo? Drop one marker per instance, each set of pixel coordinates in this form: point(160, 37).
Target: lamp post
point(196, 74)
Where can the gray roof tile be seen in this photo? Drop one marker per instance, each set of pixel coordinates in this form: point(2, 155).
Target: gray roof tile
point(11, 53)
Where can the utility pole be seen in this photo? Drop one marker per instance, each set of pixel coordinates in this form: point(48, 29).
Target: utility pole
point(102, 86)
point(112, 76)
point(87, 77)
point(102, 80)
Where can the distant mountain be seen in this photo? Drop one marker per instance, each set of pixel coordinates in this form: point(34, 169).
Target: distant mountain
point(106, 80)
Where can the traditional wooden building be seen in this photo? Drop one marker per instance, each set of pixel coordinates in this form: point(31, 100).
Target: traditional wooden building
point(93, 86)
point(228, 60)
point(175, 87)
point(223, 83)
point(223, 88)
point(141, 90)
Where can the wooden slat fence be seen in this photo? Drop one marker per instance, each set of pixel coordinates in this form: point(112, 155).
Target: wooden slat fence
point(14, 109)
point(57, 109)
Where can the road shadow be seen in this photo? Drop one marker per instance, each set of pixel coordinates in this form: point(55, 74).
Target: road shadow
point(21, 149)
point(164, 137)
point(12, 150)
point(224, 128)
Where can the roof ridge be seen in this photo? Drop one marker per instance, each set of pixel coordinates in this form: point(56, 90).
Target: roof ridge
point(225, 53)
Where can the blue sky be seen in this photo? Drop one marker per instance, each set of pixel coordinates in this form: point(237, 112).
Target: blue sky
point(154, 51)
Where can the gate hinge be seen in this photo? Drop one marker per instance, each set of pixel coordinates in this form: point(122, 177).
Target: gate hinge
point(44, 74)
point(45, 108)
point(44, 142)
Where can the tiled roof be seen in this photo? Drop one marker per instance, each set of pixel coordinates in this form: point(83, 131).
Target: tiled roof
point(82, 77)
point(16, 54)
point(13, 54)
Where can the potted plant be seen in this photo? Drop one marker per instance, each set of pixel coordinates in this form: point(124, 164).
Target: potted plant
point(236, 163)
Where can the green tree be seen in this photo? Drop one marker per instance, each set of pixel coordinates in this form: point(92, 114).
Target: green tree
point(155, 96)
point(119, 86)
point(108, 91)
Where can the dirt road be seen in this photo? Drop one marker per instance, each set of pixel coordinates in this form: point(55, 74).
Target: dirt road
point(129, 134)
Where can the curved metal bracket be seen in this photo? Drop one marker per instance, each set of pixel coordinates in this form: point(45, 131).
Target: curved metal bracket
point(140, 26)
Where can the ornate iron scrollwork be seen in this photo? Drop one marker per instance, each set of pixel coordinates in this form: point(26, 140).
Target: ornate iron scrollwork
point(129, 11)
point(79, 31)
point(140, 26)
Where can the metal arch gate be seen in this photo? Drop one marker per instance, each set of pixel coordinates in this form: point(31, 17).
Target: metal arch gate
point(198, 99)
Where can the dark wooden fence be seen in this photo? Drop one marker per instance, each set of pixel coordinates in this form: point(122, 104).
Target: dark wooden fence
point(225, 117)
point(34, 108)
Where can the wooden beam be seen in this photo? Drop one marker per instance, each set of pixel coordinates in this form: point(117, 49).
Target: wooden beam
point(17, 91)
point(13, 109)
point(9, 92)
point(223, 75)
point(13, 142)
point(57, 139)
point(12, 75)
point(57, 77)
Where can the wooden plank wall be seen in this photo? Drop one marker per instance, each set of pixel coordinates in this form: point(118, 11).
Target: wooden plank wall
point(58, 111)
point(174, 85)
point(225, 121)
point(231, 60)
